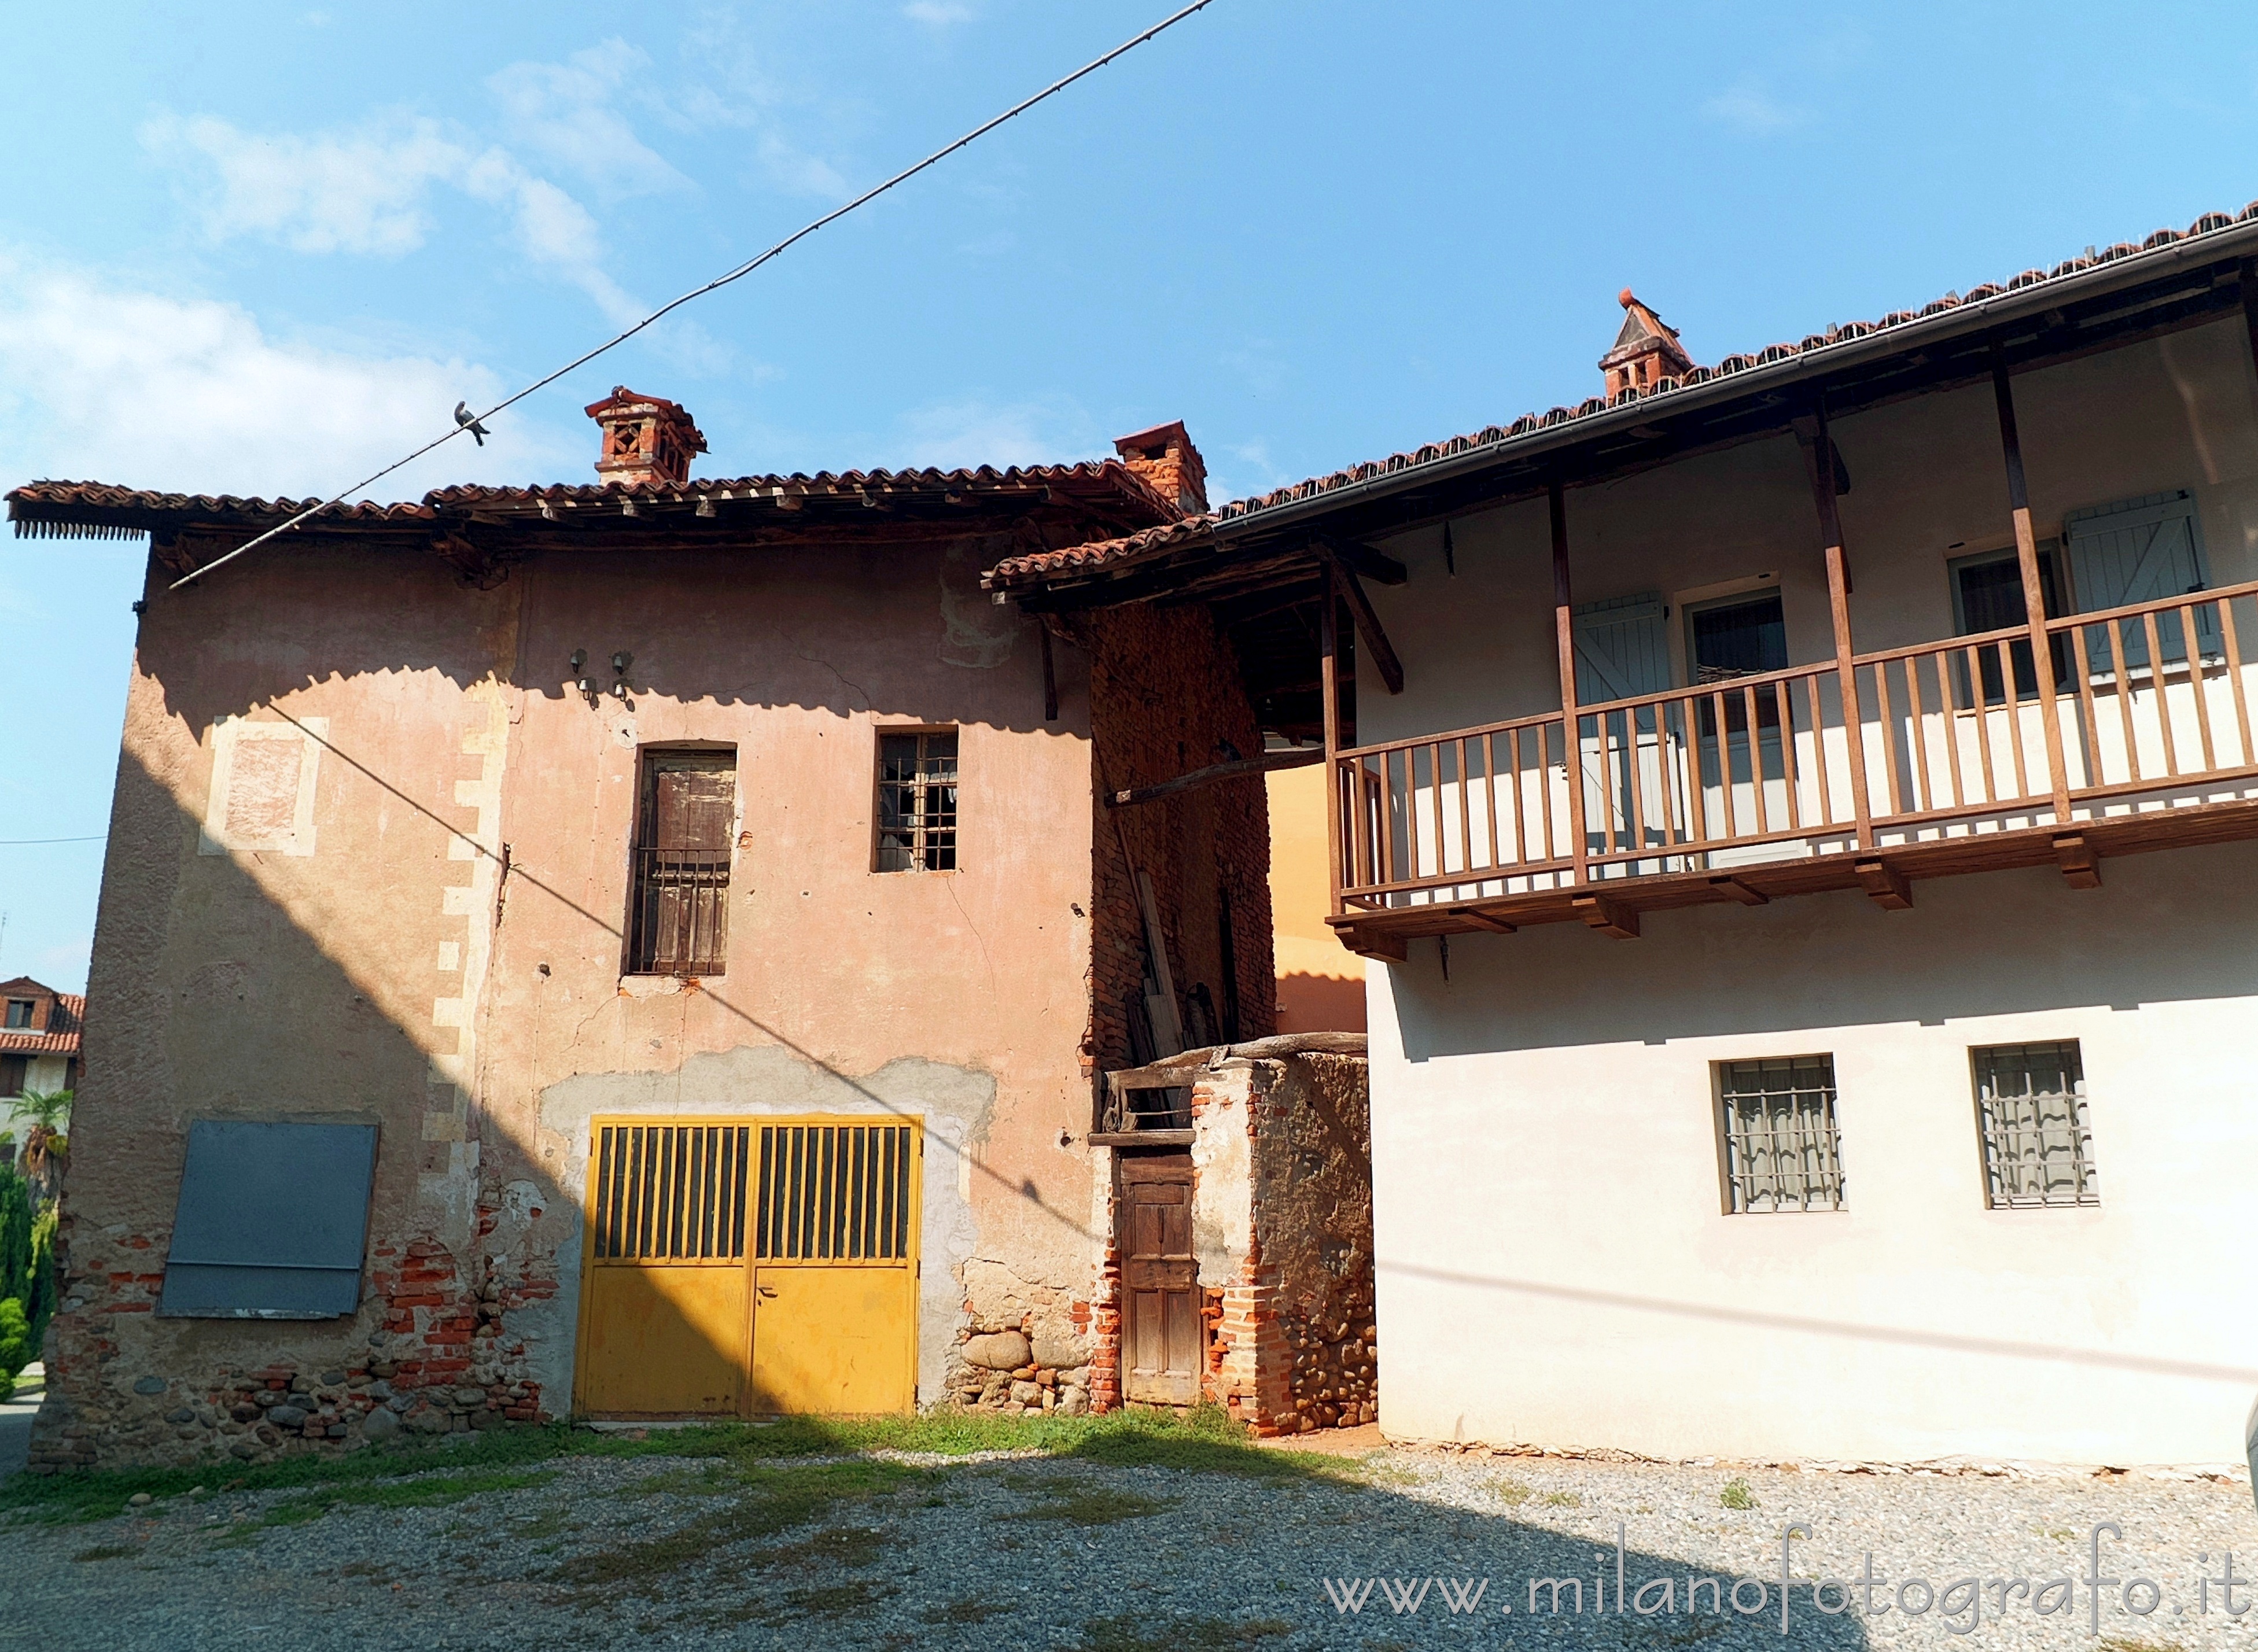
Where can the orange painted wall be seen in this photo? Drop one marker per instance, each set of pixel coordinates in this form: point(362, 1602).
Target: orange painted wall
point(1320, 982)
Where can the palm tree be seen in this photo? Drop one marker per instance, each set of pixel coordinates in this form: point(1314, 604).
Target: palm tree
point(46, 1142)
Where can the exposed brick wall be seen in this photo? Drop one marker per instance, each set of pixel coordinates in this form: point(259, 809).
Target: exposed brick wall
point(431, 1351)
point(1166, 698)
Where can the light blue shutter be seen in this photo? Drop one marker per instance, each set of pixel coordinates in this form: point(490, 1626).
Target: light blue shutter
point(1622, 649)
point(2143, 550)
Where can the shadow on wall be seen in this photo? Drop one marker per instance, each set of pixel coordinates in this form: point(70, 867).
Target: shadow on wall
point(217, 1004)
point(2170, 926)
point(728, 628)
point(1320, 1003)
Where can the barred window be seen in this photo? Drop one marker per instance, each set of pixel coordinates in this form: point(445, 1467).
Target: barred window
point(917, 801)
point(1782, 1150)
point(2030, 1109)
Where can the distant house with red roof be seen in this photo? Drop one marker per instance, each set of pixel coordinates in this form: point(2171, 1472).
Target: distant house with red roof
point(38, 1039)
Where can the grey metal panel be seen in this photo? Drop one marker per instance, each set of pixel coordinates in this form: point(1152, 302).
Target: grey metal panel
point(272, 1221)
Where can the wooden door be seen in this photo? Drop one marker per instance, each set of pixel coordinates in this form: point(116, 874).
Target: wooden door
point(1160, 1325)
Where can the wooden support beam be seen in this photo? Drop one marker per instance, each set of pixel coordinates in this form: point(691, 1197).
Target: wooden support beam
point(1818, 450)
point(1480, 919)
point(1564, 637)
point(1885, 885)
point(1216, 773)
point(1364, 944)
point(1617, 922)
point(2081, 868)
point(2249, 286)
point(1733, 889)
point(1377, 566)
point(1367, 628)
point(2026, 553)
point(1050, 674)
point(1338, 796)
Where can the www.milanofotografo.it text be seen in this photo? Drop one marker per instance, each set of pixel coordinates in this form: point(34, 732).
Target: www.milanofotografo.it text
point(1961, 1603)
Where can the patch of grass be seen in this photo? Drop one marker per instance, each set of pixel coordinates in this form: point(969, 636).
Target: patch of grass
point(852, 1546)
point(549, 1522)
point(1078, 1503)
point(1737, 1495)
point(100, 1494)
point(1137, 1631)
point(1563, 1500)
point(708, 1479)
point(769, 1501)
point(1205, 1441)
point(106, 1551)
point(435, 1490)
point(972, 1609)
point(1512, 1493)
point(831, 1603)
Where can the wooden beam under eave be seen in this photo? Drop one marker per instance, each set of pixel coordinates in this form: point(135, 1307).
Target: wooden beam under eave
point(1885, 885)
point(1216, 773)
point(1377, 566)
point(2081, 868)
point(1368, 628)
point(1612, 919)
point(1390, 948)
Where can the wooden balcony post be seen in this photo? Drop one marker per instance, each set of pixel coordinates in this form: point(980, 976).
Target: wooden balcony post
point(2026, 553)
point(1563, 630)
point(1329, 688)
point(1820, 450)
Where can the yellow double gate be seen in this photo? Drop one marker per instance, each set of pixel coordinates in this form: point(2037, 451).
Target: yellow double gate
point(749, 1267)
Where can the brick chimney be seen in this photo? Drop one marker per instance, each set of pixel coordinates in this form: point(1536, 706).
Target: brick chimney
point(1646, 351)
point(646, 439)
point(1165, 460)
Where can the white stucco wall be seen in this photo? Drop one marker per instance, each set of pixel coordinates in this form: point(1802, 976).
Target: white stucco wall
point(1555, 1267)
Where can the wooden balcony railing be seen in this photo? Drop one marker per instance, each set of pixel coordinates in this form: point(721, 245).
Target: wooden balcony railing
point(2151, 704)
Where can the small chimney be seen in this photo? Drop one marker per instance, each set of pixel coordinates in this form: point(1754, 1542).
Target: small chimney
point(1646, 351)
point(1165, 460)
point(646, 438)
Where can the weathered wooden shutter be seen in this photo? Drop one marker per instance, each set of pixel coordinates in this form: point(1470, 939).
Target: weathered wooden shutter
point(682, 865)
point(2146, 549)
point(1622, 649)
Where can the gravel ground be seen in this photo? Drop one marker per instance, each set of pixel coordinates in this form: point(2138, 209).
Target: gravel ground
point(1040, 1553)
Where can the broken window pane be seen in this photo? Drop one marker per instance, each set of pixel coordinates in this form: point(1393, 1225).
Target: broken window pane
point(916, 802)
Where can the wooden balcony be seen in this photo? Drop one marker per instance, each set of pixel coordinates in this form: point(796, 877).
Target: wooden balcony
point(2131, 730)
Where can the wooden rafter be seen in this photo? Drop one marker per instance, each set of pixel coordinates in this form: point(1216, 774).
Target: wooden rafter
point(1368, 626)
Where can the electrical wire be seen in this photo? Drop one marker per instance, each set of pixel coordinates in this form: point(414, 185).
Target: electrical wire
point(719, 281)
point(17, 843)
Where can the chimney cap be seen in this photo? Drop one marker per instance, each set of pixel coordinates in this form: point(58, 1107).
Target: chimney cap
point(1165, 460)
point(646, 439)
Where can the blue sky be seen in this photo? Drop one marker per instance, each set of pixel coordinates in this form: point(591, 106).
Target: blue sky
point(265, 248)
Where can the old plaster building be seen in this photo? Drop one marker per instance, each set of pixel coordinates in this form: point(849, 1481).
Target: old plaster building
point(651, 947)
point(39, 1040)
point(1801, 816)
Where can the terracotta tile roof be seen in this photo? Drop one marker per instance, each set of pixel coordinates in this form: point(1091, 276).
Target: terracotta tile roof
point(1033, 569)
point(64, 1021)
point(62, 509)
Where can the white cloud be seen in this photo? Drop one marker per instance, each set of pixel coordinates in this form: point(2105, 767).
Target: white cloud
point(364, 191)
point(360, 192)
point(1748, 108)
point(112, 382)
point(939, 13)
point(564, 111)
point(971, 433)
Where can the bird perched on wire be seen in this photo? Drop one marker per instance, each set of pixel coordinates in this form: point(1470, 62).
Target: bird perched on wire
point(469, 420)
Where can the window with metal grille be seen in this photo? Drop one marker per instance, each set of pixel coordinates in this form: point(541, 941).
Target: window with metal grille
point(671, 1192)
point(677, 908)
point(838, 1192)
point(917, 801)
point(1782, 1151)
point(2030, 1110)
